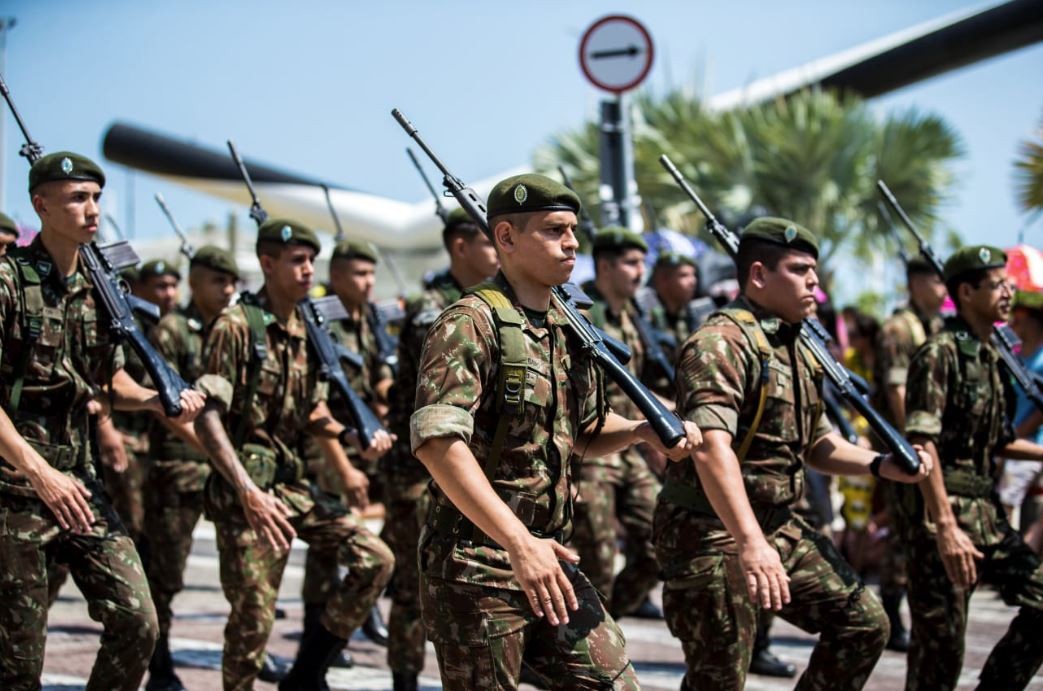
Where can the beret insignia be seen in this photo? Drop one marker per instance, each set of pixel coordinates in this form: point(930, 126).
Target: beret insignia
point(790, 233)
point(520, 194)
point(286, 233)
point(67, 165)
point(984, 255)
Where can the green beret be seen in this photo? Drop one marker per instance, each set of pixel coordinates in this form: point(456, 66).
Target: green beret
point(671, 259)
point(64, 165)
point(130, 274)
point(8, 225)
point(618, 238)
point(286, 232)
point(216, 259)
point(355, 249)
point(531, 192)
point(158, 267)
point(972, 258)
point(457, 217)
point(919, 265)
point(1029, 299)
point(780, 231)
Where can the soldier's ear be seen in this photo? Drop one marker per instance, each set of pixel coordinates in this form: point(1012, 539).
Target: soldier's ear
point(757, 274)
point(503, 233)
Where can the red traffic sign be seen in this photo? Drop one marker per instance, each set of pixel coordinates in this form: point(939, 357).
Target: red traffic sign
point(616, 53)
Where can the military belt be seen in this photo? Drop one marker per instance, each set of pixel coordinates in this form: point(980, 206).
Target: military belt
point(693, 499)
point(971, 485)
point(447, 521)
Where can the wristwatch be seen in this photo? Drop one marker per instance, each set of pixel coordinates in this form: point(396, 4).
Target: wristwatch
point(874, 467)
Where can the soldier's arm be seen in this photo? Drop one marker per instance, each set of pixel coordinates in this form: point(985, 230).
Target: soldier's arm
point(1022, 450)
point(834, 455)
point(894, 364)
point(618, 432)
point(354, 481)
point(130, 395)
point(322, 425)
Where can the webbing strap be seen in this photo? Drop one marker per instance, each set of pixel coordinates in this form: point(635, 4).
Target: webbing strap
point(916, 330)
point(749, 325)
point(258, 353)
point(32, 323)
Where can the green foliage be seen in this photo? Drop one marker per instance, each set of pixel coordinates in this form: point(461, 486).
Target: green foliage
point(872, 303)
point(814, 157)
point(1029, 173)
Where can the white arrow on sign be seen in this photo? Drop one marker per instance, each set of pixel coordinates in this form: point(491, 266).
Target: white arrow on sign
point(616, 53)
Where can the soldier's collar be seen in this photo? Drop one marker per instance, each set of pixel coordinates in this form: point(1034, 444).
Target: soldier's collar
point(770, 323)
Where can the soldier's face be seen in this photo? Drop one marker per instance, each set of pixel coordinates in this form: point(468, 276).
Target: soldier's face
point(788, 290)
point(927, 292)
point(623, 274)
point(676, 284)
point(480, 256)
point(291, 273)
point(991, 299)
point(6, 239)
point(211, 290)
point(161, 291)
point(69, 209)
point(352, 280)
point(544, 249)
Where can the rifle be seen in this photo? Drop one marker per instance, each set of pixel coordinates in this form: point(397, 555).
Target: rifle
point(440, 210)
point(1001, 339)
point(317, 315)
point(814, 337)
point(186, 248)
point(651, 337)
point(886, 215)
point(569, 299)
point(115, 226)
point(112, 293)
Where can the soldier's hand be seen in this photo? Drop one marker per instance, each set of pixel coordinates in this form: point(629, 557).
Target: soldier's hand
point(269, 518)
point(192, 403)
point(66, 497)
point(356, 487)
point(693, 439)
point(892, 471)
point(958, 555)
point(535, 565)
point(766, 578)
point(381, 444)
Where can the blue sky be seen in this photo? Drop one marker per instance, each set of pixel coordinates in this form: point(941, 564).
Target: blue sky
point(308, 86)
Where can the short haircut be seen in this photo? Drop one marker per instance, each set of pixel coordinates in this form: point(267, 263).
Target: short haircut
point(767, 253)
point(972, 278)
point(467, 230)
point(918, 270)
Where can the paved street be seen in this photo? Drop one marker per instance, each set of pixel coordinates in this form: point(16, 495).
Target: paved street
point(201, 610)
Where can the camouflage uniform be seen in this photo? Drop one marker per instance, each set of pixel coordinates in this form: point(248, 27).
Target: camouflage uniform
point(475, 611)
point(619, 486)
point(956, 399)
point(320, 570)
point(705, 597)
point(405, 482)
point(178, 473)
point(287, 391)
point(899, 339)
point(72, 357)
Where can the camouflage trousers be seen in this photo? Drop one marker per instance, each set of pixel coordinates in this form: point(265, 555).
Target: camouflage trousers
point(107, 570)
point(126, 492)
point(481, 636)
point(170, 517)
point(406, 511)
point(893, 567)
point(711, 613)
point(251, 573)
point(626, 491)
point(939, 616)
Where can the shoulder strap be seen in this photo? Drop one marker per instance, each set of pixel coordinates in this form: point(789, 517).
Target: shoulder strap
point(258, 353)
point(916, 330)
point(31, 296)
point(749, 325)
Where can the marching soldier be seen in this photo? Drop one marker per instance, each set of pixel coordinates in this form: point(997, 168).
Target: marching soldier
point(727, 540)
point(265, 396)
point(472, 259)
point(503, 399)
point(956, 406)
point(8, 233)
point(57, 356)
point(178, 473)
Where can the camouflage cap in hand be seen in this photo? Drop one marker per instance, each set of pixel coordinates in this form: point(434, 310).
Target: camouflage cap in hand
point(216, 259)
point(158, 267)
point(972, 258)
point(285, 232)
point(780, 231)
point(531, 192)
point(8, 225)
point(618, 238)
point(355, 249)
point(64, 165)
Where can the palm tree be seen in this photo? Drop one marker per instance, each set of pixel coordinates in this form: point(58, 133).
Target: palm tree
point(814, 157)
point(1029, 173)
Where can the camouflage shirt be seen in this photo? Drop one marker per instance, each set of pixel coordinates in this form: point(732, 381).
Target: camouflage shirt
point(899, 339)
point(73, 357)
point(956, 398)
point(619, 326)
point(288, 387)
point(358, 336)
point(456, 397)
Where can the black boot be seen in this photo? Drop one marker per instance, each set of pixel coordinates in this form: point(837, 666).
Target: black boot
point(313, 619)
point(374, 627)
point(273, 670)
point(404, 681)
point(899, 639)
point(161, 675)
point(313, 661)
point(764, 662)
point(647, 610)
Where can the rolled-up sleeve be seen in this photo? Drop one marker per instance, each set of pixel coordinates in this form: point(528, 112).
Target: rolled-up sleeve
point(711, 378)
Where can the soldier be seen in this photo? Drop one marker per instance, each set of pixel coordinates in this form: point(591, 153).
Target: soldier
point(956, 406)
point(898, 340)
point(56, 355)
point(175, 481)
point(727, 540)
point(472, 259)
point(158, 282)
point(502, 401)
point(675, 282)
point(265, 396)
point(352, 275)
point(8, 233)
point(621, 485)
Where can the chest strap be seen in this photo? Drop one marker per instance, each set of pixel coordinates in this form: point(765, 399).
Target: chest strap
point(258, 353)
point(749, 325)
point(31, 297)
